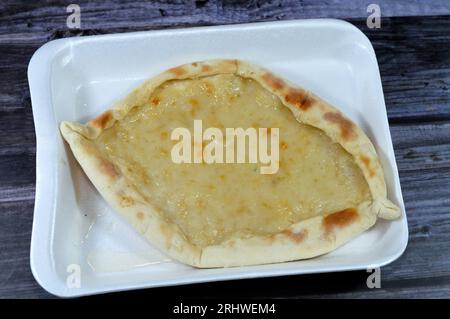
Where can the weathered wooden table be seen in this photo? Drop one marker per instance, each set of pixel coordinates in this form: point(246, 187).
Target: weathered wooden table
point(413, 49)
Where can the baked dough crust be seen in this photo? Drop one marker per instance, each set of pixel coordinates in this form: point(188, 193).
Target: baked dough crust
point(305, 239)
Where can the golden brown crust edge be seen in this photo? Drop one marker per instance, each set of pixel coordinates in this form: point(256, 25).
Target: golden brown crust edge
point(312, 110)
point(305, 239)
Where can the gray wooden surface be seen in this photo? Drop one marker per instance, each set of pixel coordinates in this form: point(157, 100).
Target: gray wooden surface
point(413, 50)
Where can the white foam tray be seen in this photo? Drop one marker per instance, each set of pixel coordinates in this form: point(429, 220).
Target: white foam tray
point(77, 78)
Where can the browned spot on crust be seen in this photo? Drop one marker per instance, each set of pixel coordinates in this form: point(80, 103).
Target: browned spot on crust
point(178, 71)
point(194, 102)
point(107, 168)
point(155, 101)
point(126, 201)
point(163, 135)
point(366, 162)
point(200, 203)
point(296, 237)
point(140, 215)
point(206, 68)
point(102, 120)
point(273, 81)
point(194, 64)
point(232, 98)
point(340, 219)
point(299, 98)
point(208, 87)
point(283, 145)
point(346, 126)
point(194, 106)
point(307, 102)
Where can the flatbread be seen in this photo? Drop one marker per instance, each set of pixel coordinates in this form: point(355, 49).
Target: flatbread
point(329, 187)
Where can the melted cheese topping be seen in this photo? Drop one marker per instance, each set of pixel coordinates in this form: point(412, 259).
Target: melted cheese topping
point(215, 202)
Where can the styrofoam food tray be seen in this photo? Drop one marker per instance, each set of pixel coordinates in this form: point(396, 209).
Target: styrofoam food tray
point(76, 233)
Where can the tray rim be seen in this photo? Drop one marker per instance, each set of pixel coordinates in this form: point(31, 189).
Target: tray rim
point(39, 68)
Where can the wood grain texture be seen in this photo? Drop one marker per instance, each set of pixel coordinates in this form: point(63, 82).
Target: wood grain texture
point(415, 69)
point(19, 17)
point(414, 65)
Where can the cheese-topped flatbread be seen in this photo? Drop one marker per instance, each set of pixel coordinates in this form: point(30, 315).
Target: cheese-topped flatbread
point(328, 188)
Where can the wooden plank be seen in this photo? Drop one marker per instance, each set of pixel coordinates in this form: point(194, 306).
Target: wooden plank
point(415, 79)
point(16, 280)
point(414, 65)
point(285, 10)
point(31, 16)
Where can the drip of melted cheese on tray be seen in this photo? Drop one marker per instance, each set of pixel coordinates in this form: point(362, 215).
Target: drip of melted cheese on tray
point(215, 202)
